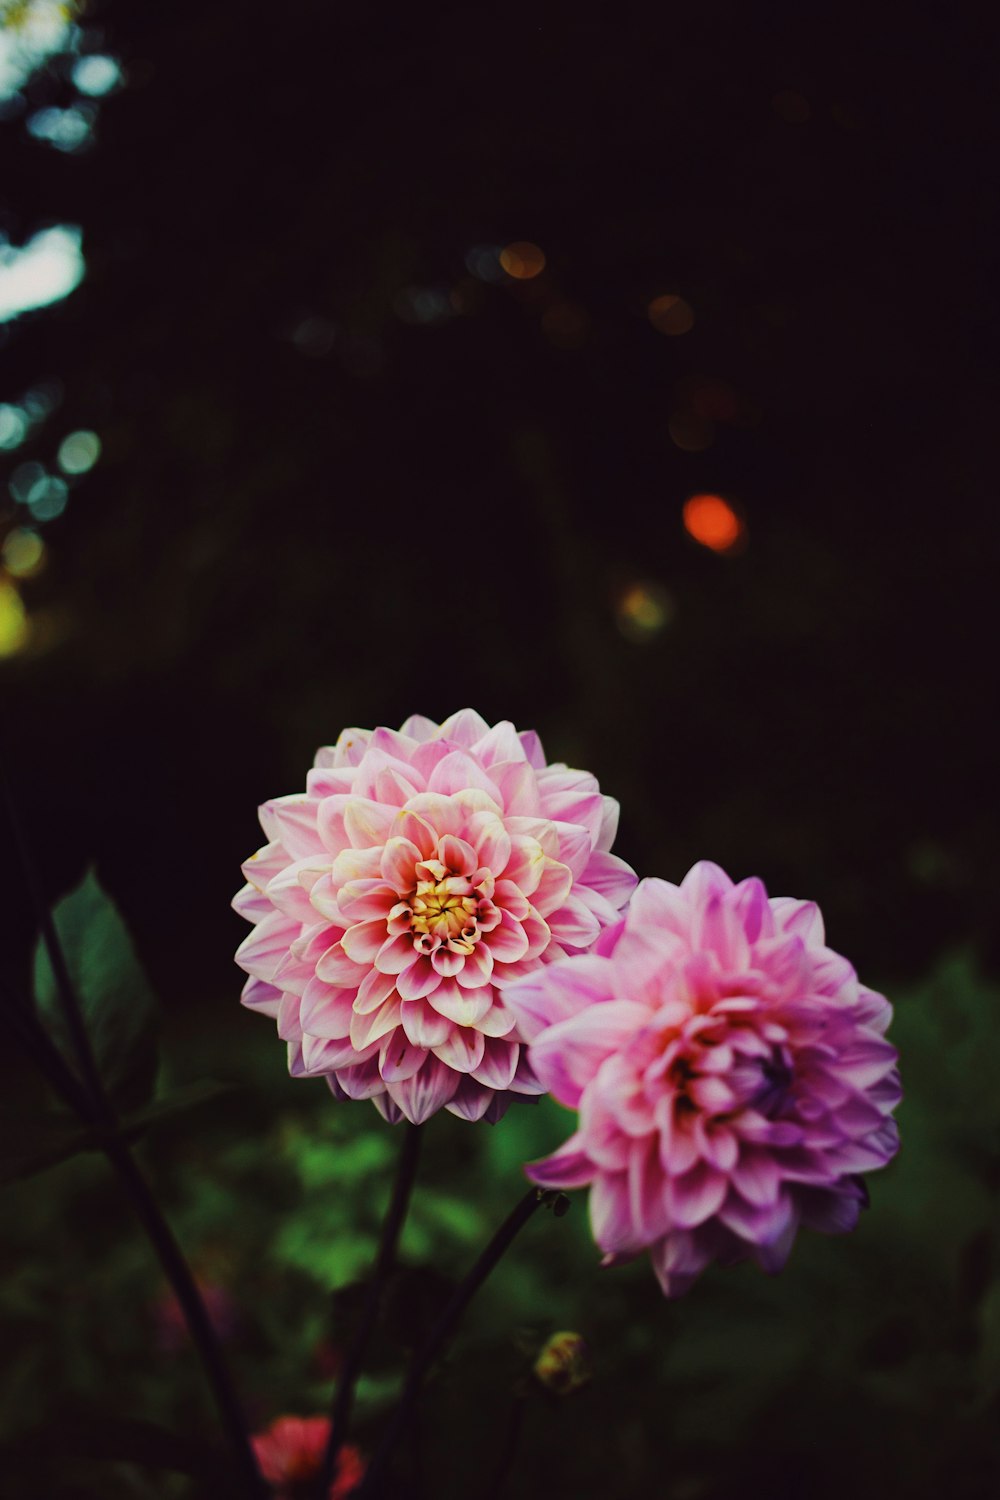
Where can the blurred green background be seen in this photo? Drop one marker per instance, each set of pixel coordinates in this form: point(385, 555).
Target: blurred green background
point(355, 364)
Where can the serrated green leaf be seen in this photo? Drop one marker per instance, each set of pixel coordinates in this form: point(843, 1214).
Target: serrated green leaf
point(117, 1004)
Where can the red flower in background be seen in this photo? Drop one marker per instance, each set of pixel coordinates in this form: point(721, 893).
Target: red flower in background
point(290, 1453)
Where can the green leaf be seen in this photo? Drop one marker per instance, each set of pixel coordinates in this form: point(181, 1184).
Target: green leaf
point(30, 1143)
point(178, 1101)
point(119, 1011)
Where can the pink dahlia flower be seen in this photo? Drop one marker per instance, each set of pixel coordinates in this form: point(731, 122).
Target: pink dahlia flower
point(731, 1076)
point(422, 872)
point(290, 1453)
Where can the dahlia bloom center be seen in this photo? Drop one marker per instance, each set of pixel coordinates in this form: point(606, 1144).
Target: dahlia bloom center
point(444, 910)
point(717, 1065)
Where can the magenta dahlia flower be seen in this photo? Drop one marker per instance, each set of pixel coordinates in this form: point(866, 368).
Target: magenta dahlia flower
point(420, 873)
point(731, 1076)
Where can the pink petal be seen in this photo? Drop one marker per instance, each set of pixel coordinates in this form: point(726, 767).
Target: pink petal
point(257, 994)
point(337, 968)
point(466, 728)
point(509, 897)
point(501, 743)
point(696, 1196)
point(426, 1092)
point(459, 857)
point(252, 904)
point(417, 727)
point(498, 1063)
point(478, 968)
point(573, 924)
point(365, 900)
point(263, 866)
point(507, 942)
point(363, 942)
point(470, 1100)
point(518, 787)
point(263, 949)
point(575, 847)
point(398, 864)
point(609, 823)
point(610, 1218)
point(492, 841)
point(326, 1011)
point(424, 1026)
point(569, 1167)
point(458, 772)
point(399, 1059)
point(647, 1191)
point(366, 1029)
point(367, 823)
point(464, 1007)
point(462, 1050)
point(567, 1056)
point(532, 747)
point(611, 877)
point(374, 988)
point(553, 888)
point(421, 978)
point(293, 821)
point(558, 992)
point(395, 954)
point(447, 963)
point(288, 894)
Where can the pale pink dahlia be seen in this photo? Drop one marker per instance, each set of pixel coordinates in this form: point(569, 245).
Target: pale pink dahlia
point(731, 1076)
point(420, 873)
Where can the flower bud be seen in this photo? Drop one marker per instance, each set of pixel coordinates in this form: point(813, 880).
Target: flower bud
point(564, 1364)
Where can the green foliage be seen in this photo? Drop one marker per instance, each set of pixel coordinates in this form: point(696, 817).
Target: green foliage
point(879, 1351)
point(117, 1004)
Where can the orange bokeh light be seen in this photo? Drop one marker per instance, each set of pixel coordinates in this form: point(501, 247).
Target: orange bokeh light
point(522, 260)
point(712, 521)
point(671, 315)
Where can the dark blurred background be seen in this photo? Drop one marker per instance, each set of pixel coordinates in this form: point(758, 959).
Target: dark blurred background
point(357, 364)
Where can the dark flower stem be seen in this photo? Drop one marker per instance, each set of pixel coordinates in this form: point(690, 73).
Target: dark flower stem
point(512, 1437)
point(395, 1217)
point(87, 1097)
point(442, 1331)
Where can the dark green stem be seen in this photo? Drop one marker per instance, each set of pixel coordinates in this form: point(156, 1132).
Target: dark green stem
point(392, 1226)
point(442, 1331)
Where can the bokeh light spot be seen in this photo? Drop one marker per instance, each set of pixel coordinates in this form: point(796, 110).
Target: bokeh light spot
point(13, 425)
point(47, 498)
point(791, 107)
point(690, 432)
point(23, 553)
point(522, 260)
point(566, 326)
point(14, 629)
point(483, 262)
point(96, 74)
point(48, 267)
point(23, 479)
point(422, 304)
point(671, 315)
point(65, 129)
point(713, 522)
point(643, 610)
point(79, 452)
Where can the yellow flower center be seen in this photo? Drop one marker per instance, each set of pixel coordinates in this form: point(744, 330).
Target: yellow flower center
point(446, 909)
